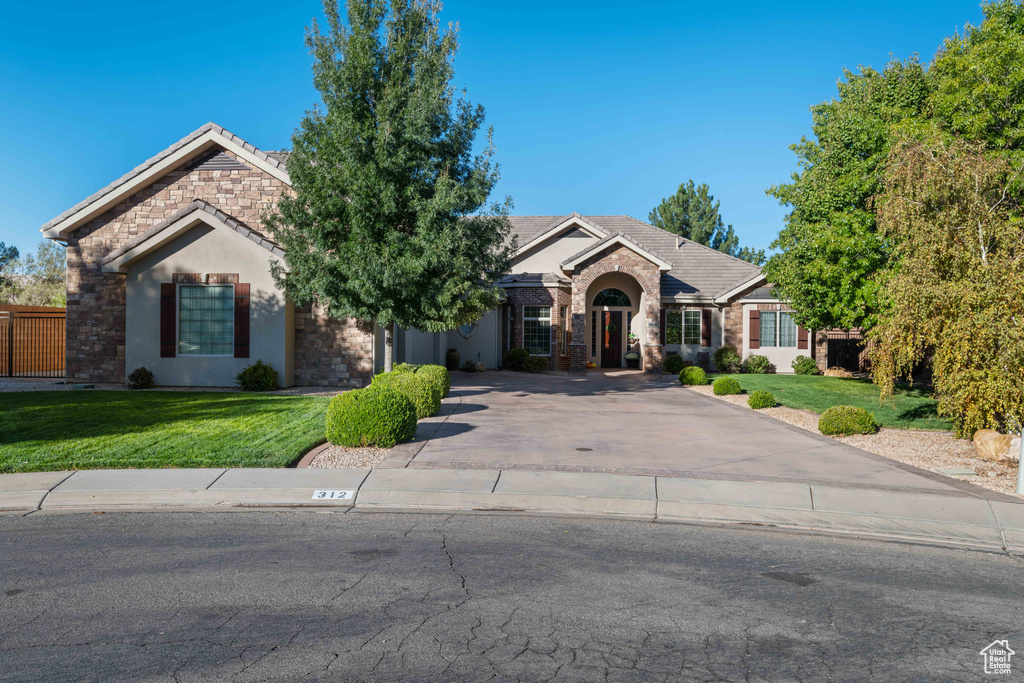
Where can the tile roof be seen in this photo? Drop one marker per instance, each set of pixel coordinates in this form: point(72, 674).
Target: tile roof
point(197, 205)
point(697, 272)
point(523, 278)
point(152, 161)
point(608, 238)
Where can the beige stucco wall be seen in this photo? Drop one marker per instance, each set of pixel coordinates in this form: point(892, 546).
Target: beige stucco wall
point(548, 257)
point(781, 356)
point(483, 345)
point(204, 249)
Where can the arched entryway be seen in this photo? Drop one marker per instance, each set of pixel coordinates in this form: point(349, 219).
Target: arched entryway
point(613, 323)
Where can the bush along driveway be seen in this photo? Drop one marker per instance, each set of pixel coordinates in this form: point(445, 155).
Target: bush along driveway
point(63, 430)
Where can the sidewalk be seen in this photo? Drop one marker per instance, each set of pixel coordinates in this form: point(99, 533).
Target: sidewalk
point(955, 518)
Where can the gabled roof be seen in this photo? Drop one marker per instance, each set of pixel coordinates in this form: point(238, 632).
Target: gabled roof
point(549, 230)
point(611, 240)
point(730, 292)
point(182, 221)
point(189, 147)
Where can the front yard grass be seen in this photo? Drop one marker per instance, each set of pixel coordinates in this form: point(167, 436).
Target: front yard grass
point(910, 408)
point(63, 430)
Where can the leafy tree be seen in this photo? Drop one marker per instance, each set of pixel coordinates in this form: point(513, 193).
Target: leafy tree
point(385, 221)
point(830, 249)
point(694, 213)
point(38, 280)
point(958, 290)
point(7, 254)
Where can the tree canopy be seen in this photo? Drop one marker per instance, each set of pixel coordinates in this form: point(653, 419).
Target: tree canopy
point(38, 280)
point(389, 220)
point(694, 213)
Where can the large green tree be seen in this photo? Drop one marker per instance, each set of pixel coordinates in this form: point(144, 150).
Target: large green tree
point(36, 280)
point(694, 213)
point(8, 255)
point(389, 220)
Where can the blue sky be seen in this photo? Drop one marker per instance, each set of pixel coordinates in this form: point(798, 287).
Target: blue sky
point(598, 107)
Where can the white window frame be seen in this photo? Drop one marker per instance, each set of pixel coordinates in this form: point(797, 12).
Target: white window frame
point(537, 319)
point(700, 326)
point(177, 320)
point(777, 337)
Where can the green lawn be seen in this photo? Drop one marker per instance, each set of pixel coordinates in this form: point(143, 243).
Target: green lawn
point(911, 408)
point(63, 430)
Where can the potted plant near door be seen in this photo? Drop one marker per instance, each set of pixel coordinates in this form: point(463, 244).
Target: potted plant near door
point(632, 359)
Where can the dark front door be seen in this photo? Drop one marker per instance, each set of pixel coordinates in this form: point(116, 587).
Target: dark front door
point(611, 340)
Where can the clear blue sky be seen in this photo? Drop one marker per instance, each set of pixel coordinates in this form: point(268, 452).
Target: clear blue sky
point(598, 107)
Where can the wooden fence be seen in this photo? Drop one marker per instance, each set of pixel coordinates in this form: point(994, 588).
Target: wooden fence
point(33, 341)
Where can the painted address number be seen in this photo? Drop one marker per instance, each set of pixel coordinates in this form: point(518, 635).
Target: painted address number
point(333, 495)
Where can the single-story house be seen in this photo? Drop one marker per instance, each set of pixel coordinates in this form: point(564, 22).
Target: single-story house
point(168, 268)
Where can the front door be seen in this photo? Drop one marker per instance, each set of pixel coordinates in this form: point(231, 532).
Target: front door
point(611, 340)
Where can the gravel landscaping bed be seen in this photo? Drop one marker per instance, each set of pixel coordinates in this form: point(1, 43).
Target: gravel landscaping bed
point(341, 456)
point(929, 450)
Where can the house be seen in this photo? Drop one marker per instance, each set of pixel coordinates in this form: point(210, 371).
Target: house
point(168, 268)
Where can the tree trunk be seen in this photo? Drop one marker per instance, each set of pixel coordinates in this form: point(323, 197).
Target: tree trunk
point(389, 347)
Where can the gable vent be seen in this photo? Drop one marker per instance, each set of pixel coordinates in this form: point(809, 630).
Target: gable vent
point(575, 232)
point(219, 161)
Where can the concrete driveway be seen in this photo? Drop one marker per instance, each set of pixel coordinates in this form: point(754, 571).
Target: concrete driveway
point(626, 424)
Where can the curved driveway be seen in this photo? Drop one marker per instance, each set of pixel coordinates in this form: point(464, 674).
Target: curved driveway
point(635, 426)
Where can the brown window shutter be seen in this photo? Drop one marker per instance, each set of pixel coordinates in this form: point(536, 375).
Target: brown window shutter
point(168, 328)
point(801, 337)
point(705, 327)
point(755, 329)
point(663, 316)
point(242, 320)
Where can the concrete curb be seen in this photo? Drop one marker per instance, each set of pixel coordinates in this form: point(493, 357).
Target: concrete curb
point(949, 519)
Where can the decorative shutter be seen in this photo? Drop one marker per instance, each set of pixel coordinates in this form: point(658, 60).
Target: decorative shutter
point(801, 337)
point(755, 329)
point(663, 317)
point(242, 320)
point(705, 327)
point(168, 328)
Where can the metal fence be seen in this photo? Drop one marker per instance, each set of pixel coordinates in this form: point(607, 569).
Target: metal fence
point(32, 344)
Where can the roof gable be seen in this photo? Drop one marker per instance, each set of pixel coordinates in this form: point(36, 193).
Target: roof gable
point(199, 142)
point(571, 226)
point(618, 238)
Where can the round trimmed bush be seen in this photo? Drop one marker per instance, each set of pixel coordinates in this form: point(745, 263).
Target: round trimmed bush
point(724, 386)
point(758, 365)
point(802, 365)
point(843, 420)
point(761, 399)
point(259, 376)
point(514, 359)
point(371, 417)
point(536, 364)
point(673, 365)
point(693, 375)
point(439, 375)
point(141, 378)
point(424, 392)
point(727, 359)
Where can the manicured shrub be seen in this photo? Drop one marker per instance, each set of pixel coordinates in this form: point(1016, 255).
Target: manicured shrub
point(514, 359)
point(140, 378)
point(758, 365)
point(536, 364)
point(727, 359)
point(693, 375)
point(405, 367)
point(672, 365)
point(802, 365)
point(376, 416)
point(842, 420)
point(439, 375)
point(259, 376)
point(423, 391)
point(761, 399)
point(724, 386)
point(469, 366)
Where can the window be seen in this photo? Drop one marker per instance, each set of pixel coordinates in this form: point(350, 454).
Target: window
point(563, 325)
point(593, 333)
point(537, 330)
point(787, 330)
point(768, 328)
point(674, 327)
point(206, 320)
point(691, 327)
point(611, 297)
point(467, 330)
point(629, 324)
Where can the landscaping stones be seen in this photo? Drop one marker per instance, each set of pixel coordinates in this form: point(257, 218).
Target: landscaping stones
point(838, 372)
point(991, 444)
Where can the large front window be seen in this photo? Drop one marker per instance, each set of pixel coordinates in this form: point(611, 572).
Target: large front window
point(777, 329)
point(206, 320)
point(768, 328)
point(682, 327)
point(537, 330)
point(691, 327)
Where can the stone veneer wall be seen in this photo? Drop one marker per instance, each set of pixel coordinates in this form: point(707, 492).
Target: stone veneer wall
point(331, 352)
point(621, 259)
point(552, 296)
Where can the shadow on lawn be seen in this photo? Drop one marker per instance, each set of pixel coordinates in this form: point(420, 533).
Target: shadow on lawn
point(66, 415)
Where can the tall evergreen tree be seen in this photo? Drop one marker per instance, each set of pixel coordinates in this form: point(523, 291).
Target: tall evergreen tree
point(694, 213)
point(389, 219)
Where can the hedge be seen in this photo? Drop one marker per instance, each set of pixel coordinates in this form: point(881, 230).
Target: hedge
point(371, 417)
point(727, 359)
point(802, 365)
point(693, 375)
point(673, 365)
point(726, 385)
point(761, 399)
point(758, 365)
point(422, 390)
point(842, 420)
point(536, 364)
point(439, 375)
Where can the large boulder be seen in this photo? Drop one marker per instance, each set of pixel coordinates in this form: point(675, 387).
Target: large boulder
point(991, 445)
point(838, 372)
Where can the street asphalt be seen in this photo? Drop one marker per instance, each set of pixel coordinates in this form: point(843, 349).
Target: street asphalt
point(244, 596)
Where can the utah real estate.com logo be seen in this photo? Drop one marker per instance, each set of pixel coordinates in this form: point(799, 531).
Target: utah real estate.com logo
point(997, 657)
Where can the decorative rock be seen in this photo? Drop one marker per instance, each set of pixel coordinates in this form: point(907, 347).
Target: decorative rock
point(990, 444)
point(838, 372)
point(1014, 452)
point(480, 367)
